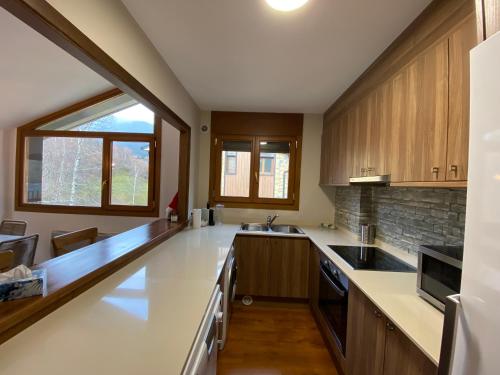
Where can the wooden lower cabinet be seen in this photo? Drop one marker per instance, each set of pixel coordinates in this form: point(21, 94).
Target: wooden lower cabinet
point(376, 347)
point(365, 336)
point(402, 357)
point(272, 266)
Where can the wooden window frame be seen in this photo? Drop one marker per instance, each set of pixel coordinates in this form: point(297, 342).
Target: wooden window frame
point(107, 208)
point(256, 128)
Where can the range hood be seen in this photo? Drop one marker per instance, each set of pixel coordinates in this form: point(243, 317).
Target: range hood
point(383, 179)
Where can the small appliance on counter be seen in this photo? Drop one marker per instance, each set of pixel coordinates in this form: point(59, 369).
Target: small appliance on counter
point(439, 273)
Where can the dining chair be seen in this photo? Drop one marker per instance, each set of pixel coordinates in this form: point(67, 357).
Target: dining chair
point(23, 248)
point(6, 260)
point(13, 227)
point(68, 242)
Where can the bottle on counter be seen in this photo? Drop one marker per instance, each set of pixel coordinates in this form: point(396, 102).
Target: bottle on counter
point(219, 214)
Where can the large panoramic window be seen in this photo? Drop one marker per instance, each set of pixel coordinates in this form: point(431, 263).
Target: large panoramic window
point(99, 156)
point(255, 168)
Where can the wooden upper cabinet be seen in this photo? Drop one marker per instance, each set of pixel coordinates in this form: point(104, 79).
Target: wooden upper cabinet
point(461, 42)
point(380, 134)
point(491, 14)
point(341, 166)
point(326, 159)
point(360, 120)
point(420, 117)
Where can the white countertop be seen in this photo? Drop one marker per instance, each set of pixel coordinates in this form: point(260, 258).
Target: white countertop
point(394, 293)
point(141, 320)
point(144, 318)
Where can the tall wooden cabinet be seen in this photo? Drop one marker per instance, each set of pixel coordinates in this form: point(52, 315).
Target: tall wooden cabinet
point(420, 130)
point(488, 16)
point(376, 347)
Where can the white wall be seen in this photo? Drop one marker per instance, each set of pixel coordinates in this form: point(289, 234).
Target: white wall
point(45, 223)
point(316, 203)
point(114, 30)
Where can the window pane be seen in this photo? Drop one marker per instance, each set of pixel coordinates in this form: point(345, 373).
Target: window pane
point(119, 114)
point(63, 171)
point(235, 173)
point(273, 169)
point(130, 173)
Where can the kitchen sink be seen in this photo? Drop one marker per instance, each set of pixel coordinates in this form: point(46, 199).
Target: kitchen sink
point(293, 229)
point(253, 227)
point(257, 227)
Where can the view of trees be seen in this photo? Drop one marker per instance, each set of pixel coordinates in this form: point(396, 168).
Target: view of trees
point(130, 174)
point(68, 171)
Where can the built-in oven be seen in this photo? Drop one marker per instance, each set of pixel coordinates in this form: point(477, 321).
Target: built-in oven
point(229, 292)
point(333, 300)
point(439, 273)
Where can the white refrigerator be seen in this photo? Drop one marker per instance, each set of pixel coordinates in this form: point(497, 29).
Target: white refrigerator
point(471, 336)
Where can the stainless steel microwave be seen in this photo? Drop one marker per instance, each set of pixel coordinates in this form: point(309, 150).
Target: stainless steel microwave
point(439, 273)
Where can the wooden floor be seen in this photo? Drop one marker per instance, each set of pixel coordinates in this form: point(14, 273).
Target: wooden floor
point(274, 339)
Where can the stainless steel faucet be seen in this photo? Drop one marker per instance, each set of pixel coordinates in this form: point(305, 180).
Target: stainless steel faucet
point(270, 220)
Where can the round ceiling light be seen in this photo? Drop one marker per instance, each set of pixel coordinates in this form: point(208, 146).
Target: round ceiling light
point(286, 5)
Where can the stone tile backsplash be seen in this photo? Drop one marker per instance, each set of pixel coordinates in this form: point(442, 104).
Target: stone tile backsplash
point(405, 217)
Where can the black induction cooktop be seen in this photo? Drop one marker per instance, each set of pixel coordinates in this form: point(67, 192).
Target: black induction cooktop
point(371, 258)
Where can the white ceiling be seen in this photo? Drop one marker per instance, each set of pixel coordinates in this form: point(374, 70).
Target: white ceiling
point(36, 76)
point(242, 55)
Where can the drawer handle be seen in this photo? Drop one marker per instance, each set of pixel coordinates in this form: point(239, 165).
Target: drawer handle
point(435, 172)
point(454, 169)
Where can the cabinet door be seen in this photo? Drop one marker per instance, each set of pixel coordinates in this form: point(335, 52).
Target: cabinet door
point(358, 120)
point(380, 131)
point(343, 155)
point(272, 266)
point(402, 357)
point(365, 336)
point(253, 254)
point(491, 16)
point(420, 117)
point(461, 42)
point(288, 268)
point(326, 154)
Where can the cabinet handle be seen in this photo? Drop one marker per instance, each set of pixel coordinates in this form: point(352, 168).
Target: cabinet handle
point(390, 327)
point(377, 313)
point(435, 171)
point(454, 169)
point(363, 172)
point(370, 170)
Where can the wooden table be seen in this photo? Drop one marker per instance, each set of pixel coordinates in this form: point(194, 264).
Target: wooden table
point(6, 237)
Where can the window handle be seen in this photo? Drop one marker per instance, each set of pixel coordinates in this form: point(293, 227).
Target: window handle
point(256, 177)
point(104, 183)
